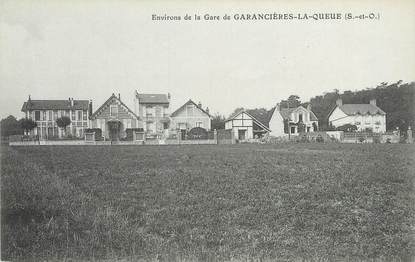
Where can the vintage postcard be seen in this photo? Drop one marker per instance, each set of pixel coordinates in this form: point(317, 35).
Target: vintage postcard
point(207, 130)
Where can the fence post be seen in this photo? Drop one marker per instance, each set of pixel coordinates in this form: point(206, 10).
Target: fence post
point(215, 136)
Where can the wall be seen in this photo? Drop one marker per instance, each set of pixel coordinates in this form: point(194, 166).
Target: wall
point(276, 124)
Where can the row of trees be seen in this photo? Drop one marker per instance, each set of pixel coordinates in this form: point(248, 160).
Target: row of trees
point(11, 126)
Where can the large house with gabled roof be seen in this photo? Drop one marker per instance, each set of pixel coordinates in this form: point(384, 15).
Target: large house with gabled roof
point(46, 112)
point(366, 117)
point(153, 110)
point(114, 118)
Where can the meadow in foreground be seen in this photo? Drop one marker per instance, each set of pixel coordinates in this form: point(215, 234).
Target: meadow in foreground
point(287, 202)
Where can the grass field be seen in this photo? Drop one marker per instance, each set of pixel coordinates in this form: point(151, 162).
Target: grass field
point(289, 202)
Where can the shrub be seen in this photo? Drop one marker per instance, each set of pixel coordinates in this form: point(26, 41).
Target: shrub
point(197, 133)
point(319, 139)
point(98, 133)
point(27, 124)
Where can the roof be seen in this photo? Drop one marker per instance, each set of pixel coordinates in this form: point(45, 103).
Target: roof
point(55, 105)
point(261, 116)
point(152, 98)
point(258, 122)
point(362, 109)
point(286, 113)
point(108, 101)
point(189, 102)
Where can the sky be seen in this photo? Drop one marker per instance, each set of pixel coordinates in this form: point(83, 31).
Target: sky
point(91, 49)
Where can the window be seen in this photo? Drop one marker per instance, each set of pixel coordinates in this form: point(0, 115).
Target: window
point(149, 111)
point(377, 123)
point(44, 115)
point(199, 124)
point(103, 125)
point(300, 117)
point(150, 127)
point(79, 115)
point(292, 130)
point(166, 125)
point(85, 115)
point(357, 123)
point(55, 114)
point(113, 110)
point(189, 110)
point(50, 115)
point(158, 111)
point(73, 115)
point(37, 115)
point(67, 113)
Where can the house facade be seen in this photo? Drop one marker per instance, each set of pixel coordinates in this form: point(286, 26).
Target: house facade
point(366, 117)
point(245, 125)
point(114, 118)
point(292, 120)
point(153, 110)
point(46, 112)
point(190, 115)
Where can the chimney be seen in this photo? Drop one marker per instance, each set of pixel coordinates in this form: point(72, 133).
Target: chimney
point(72, 101)
point(339, 102)
point(373, 102)
point(199, 105)
point(207, 110)
point(119, 96)
point(29, 99)
point(90, 108)
point(168, 96)
point(278, 107)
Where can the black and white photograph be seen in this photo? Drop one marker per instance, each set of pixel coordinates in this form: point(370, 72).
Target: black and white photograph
point(207, 130)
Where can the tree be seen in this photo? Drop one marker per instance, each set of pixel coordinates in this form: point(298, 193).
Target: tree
point(293, 101)
point(63, 122)
point(27, 124)
point(218, 122)
point(10, 126)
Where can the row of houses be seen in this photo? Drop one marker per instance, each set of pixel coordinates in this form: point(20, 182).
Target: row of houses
point(152, 115)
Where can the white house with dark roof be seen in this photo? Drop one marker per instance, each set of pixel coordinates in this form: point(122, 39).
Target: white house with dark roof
point(114, 118)
point(46, 112)
point(247, 125)
point(190, 115)
point(288, 120)
point(365, 117)
point(154, 111)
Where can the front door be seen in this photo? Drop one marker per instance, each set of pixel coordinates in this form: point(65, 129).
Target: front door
point(183, 134)
point(114, 134)
point(241, 134)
